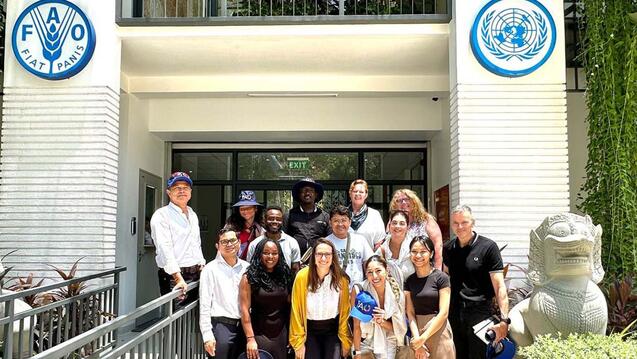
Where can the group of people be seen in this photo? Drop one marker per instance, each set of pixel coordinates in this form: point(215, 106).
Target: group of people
point(316, 284)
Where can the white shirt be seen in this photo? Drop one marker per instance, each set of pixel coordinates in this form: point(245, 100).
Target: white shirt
point(373, 228)
point(359, 252)
point(219, 293)
point(403, 263)
point(177, 238)
point(323, 304)
point(289, 246)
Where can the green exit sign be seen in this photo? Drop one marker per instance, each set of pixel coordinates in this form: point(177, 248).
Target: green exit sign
point(298, 163)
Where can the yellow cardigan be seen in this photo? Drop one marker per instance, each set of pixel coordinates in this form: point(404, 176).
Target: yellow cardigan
point(298, 317)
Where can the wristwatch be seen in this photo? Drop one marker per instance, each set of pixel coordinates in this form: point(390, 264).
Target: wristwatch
point(506, 320)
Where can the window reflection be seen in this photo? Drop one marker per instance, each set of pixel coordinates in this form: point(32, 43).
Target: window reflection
point(205, 166)
point(394, 166)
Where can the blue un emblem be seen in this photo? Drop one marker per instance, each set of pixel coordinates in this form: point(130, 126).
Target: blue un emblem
point(53, 39)
point(513, 37)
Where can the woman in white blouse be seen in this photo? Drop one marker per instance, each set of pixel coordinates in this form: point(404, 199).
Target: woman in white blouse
point(396, 249)
point(320, 307)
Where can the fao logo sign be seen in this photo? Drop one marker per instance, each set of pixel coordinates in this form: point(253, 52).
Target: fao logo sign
point(513, 37)
point(53, 39)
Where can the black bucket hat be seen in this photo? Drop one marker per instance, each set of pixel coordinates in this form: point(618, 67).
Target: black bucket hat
point(307, 181)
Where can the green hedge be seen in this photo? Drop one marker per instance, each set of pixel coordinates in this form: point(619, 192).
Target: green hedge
point(581, 346)
point(610, 191)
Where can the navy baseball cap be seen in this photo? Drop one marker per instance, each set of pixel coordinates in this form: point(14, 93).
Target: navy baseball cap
point(179, 176)
point(364, 305)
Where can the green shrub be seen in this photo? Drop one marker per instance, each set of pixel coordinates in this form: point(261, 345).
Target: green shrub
point(610, 61)
point(581, 346)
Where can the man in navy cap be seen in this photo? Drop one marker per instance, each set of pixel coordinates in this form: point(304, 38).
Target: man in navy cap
point(175, 231)
point(306, 222)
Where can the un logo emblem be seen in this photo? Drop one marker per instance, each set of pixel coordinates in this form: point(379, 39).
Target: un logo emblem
point(53, 39)
point(513, 37)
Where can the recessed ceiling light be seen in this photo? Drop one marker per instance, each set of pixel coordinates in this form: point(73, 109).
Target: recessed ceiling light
point(293, 94)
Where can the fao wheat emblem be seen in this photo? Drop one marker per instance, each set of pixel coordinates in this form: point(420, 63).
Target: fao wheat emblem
point(53, 39)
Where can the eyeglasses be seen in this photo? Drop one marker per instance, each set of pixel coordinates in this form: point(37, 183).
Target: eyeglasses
point(180, 189)
point(403, 200)
point(228, 242)
point(419, 253)
point(323, 255)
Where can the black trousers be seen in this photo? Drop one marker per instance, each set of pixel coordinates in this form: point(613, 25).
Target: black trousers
point(230, 340)
point(462, 317)
point(322, 339)
point(166, 283)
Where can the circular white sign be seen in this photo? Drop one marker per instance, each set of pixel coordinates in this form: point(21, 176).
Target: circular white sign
point(513, 37)
point(53, 39)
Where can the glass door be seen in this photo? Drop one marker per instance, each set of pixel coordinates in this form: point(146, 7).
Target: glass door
point(220, 175)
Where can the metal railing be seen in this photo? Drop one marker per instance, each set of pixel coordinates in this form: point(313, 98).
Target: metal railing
point(59, 320)
point(264, 10)
point(174, 335)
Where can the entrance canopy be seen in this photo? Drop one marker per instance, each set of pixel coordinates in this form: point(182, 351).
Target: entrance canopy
point(243, 60)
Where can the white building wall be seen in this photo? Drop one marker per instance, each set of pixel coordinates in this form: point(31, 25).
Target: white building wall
point(139, 149)
point(441, 151)
point(347, 118)
point(59, 178)
point(59, 157)
point(577, 143)
point(509, 142)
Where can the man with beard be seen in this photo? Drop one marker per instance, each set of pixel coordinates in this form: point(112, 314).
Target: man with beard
point(289, 245)
point(306, 222)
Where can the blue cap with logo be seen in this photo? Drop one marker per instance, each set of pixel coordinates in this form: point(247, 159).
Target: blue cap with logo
point(505, 349)
point(247, 198)
point(364, 305)
point(179, 176)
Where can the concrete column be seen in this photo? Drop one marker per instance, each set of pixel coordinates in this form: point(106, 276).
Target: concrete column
point(509, 148)
point(59, 155)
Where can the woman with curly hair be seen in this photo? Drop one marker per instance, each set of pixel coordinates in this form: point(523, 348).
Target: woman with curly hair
point(320, 307)
point(421, 223)
point(245, 219)
point(264, 297)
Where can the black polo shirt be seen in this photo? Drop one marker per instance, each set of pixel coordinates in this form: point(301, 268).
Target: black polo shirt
point(470, 267)
point(306, 228)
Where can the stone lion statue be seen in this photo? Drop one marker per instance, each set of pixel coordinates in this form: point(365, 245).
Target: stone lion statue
point(564, 267)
